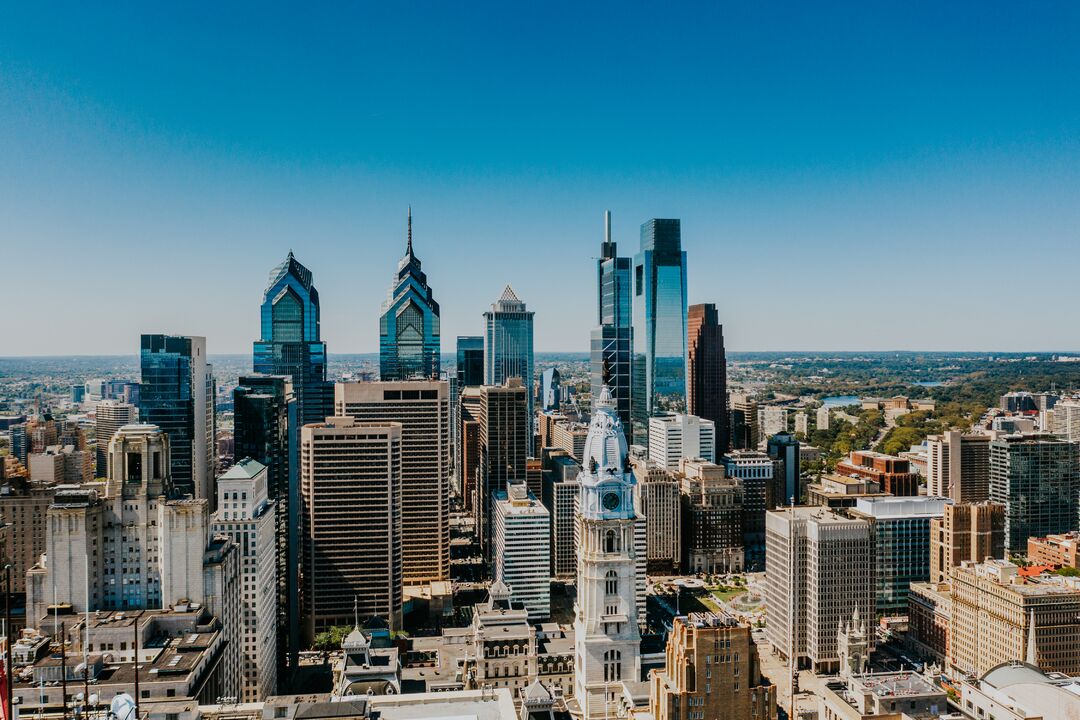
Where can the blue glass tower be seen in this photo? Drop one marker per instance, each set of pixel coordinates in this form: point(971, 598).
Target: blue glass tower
point(659, 322)
point(290, 344)
point(409, 334)
point(470, 360)
point(611, 343)
point(508, 346)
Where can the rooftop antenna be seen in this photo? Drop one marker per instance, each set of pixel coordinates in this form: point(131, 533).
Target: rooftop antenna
point(356, 612)
point(408, 249)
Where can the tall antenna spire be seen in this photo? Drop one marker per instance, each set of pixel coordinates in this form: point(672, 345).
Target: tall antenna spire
point(408, 249)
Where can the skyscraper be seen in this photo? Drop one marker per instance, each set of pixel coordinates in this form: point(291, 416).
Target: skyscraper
point(291, 340)
point(1037, 478)
point(470, 360)
point(504, 447)
point(110, 416)
point(550, 395)
point(508, 347)
point(659, 321)
point(706, 371)
point(521, 536)
point(409, 333)
point(177, 395)
point(958, 466)
point(612, 340)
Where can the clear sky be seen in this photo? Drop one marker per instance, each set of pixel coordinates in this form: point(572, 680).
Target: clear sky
point(849, 175)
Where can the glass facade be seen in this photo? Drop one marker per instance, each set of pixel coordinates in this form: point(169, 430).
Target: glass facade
point(470, 361)
point(659, 308)
point(409, 332)
point(290, 341)
point(611, 343)
point(1037, 479)
point(508, 346)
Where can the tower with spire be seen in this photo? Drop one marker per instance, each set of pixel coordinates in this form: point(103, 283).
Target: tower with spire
point(508, 347)
point(612, 340)
point(409, 326)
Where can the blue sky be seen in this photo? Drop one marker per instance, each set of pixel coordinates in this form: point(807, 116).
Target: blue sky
point(849, 175)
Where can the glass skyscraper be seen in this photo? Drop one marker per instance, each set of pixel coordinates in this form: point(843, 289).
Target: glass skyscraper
point(470, 360)
point(659, 322)
point(508, 346)
point(611, 342)
point(409, 334)
point(177, 394)
point(291, 344)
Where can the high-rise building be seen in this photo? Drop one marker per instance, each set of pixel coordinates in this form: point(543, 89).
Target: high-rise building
point(265, 422)
point(606, 636)
point(674, 437)
point(508, 348)
point(755, 470)
point(745, 428)
point(291, 340)
point(783, 448)
point(1037, 479)
point(820, 565)
point(550, 394)
point(422, 407)
point(893, 474)
point(999, 616)
point(660, 502)
point(110, 416)
point(409, 333)
point(470, 360)
point(901, 529)
point(247, 515)
point(712, 519)
point(612, 341)
point(350, 522)
point(20, 442)
point(24, 506)
point(521, 535)
point(504, 447)
point(773, 420)
point(958, 466)
point(469, 373)
point(1067, 419)
point(966, 531)
point(467, 462)
point(712, 671)
point(706, 371)
point(659, 361)
point(560, 497)
point(822, 419)
point(177, 395)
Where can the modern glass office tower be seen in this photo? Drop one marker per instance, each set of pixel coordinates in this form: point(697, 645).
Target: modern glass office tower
point(470, 361)
point(177, 394)
point(612, 341)
point(508, 346)
point(706, 371)
point(409, 335)
point(265, 423)
point(660, 321)
point(1036, 477)
point(291, 344)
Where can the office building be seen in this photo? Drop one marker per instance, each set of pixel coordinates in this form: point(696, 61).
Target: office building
point(521, 533)
point(291, 340)
point(612, 341)
point(958, 466)
point(550, 393)
point(660, 503)
point(783, 448)
point(508, 348)
point(110, 416)
point(350, 522)
point(893, 474)
point(929, 611)
point(177, 395)
point(966, 531)
point(20, 442)
point(1067, 419)
point(755, 471)
point(422, 407)
point(1037, 479)
point(1035, 618)
point(409, 333)
point(711, 671)
point(674, 437)
point(821, 566)
point(560, 497)
point(773, 420)
point(504, 447)
point(901, 529)
point(745, 428)
point(1010, 424)
point(24, 506)
point(1062, 549)
point(659, 307)
point(62, 464)
point(822, 419)
point(467, 464)
point(606, 637)
point(470, 360)
point(706, 371)
point(247, 515)
point(712, 519)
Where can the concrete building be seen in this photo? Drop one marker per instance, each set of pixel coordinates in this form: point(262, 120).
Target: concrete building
point(712, 517)
point(902, 544)
point(822, 418)
point(755, 471)
point(1020, 691)
point(999, 615)
point(504, 447)
point(674, 437)
point(929, 611)
point(1037, 478)
point(893, 474)
point(1050, 550)
point(24, 507)
point(745, 428)
point(802, 422)
point(839, 491)
point(965, 532)
point(1067, 419)
point(569, 436)
point(712, 671)
point(659, 502)
point(110, 416)
point(560, 497)
point(773, 420)
point(248, 516)
point(522, 542)
point(422, 408)
point(881, 696)
point(958, 466)
point(350, 522)
point(821, 565)
point(467, 463)
point(508, 351)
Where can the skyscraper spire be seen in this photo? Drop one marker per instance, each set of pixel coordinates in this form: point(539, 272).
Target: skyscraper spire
point(408, 249)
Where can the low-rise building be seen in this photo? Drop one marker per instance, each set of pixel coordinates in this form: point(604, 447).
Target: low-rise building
point(893, 474)
point(840, 491)
point(881, 696)
point(1020, 691)
point(1062, 549)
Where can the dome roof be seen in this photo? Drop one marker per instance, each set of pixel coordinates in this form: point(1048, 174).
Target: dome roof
point(605, 445)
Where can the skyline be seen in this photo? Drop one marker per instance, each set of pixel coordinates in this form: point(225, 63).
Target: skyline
point(860, 177)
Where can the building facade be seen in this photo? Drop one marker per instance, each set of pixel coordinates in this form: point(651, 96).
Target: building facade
point(958, 466)
point(110, 416)
point(522, 540)
point(712, 519)
point(504, 447)
point(893, 474)
point(410, 337)
point(965, 531)
point(783, 448)
point(1037, 479)
point(706, 371)
point(612, 341)
point(755, 471)
point(508, 348)
point(674, 437)
point(660, 503)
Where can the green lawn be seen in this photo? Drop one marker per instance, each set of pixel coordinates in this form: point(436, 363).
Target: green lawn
point(726, 592)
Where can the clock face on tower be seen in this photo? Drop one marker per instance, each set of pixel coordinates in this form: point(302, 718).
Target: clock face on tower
point(611, 501)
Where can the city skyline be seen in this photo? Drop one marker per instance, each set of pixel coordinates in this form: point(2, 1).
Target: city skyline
point(949, 147)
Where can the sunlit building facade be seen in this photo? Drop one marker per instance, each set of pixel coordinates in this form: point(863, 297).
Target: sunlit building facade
point(409, 333)
point(612, 341)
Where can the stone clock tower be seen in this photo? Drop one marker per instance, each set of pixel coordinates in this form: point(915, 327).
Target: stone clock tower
point(607, 641)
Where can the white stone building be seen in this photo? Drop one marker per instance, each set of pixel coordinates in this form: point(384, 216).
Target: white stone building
point(674, 437)
point(522, 538)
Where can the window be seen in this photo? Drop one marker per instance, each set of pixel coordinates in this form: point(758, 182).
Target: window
point(611, 586)
point(612, 665)
point(611, 542)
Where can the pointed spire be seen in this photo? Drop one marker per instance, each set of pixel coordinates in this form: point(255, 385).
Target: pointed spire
point(408, 249)
point(1032, 650)
point(356, 612)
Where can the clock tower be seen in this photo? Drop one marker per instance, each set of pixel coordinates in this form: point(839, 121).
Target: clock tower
point(607, 641)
